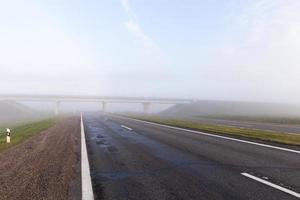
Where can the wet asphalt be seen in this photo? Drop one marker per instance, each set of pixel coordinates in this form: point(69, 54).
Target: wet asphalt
point(152, 162)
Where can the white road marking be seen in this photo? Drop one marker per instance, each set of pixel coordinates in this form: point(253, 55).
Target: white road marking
point(126, 127)
point(272, 185)
point(86, 183)
point(214, 135)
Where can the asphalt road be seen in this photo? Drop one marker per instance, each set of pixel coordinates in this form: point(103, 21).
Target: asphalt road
point(135, 160)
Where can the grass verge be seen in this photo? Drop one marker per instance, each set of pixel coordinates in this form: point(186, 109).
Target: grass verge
point(278, 137)
point(22, 132)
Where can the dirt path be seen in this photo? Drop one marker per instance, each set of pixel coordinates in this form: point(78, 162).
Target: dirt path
point(46, 166)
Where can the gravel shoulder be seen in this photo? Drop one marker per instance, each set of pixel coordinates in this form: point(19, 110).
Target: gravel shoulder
point(46, 166)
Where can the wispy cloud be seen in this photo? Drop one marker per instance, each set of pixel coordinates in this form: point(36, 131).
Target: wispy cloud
point(134, 27)
point(125, 5)
point(138, 32)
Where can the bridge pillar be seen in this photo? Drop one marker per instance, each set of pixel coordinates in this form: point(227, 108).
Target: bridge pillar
point(146, 107)
point(104, 106)
point(56, 109)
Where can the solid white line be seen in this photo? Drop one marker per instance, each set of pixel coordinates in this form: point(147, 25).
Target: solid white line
point(86, 183)
point(214, 135)
point(123, 126)
point(272, 185)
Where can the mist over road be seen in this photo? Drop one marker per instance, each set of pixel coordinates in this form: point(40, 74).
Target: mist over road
point(135, 160)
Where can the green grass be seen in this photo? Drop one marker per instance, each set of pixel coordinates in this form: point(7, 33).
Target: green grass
point(278, 137)
point(22, 132)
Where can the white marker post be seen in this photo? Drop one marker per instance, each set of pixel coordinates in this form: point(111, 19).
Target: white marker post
point(7, 135)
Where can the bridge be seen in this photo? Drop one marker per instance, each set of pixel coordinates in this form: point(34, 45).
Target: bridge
point(104, 100)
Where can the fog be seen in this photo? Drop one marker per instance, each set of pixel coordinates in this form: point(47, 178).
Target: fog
point(76, 107)
point(206, 50)
point(234, 110)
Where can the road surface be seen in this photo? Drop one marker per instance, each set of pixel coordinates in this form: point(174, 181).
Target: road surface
point(136, 160)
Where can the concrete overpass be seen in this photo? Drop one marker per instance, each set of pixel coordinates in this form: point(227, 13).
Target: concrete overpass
point(104, 100)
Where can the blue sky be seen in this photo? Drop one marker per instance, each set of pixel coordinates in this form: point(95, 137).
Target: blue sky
point(216, 49)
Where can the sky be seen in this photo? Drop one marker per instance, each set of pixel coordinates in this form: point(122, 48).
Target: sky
point(244, 50)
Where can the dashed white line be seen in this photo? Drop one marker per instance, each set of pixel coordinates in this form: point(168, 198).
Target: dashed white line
point(126, 127)
point(272, 185)
point(86, 183)
point(214, 135)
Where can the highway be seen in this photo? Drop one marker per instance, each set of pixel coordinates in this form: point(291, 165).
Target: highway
point(132, 159)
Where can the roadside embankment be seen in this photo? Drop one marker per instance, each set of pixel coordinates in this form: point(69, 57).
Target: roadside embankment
point(22, 132)
point(45, 165)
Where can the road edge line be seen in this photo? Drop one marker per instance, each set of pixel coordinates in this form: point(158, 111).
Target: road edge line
point(86, 182)
point(282, 189)
point(126, 127)
point(214, 135)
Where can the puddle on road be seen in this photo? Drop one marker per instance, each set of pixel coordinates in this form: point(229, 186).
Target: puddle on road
point(112, 149)
point(116, 176)
point(100, 142)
